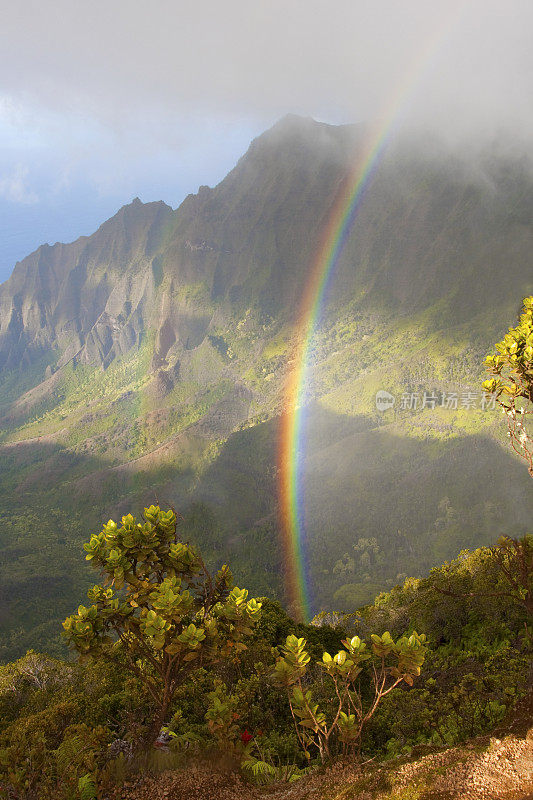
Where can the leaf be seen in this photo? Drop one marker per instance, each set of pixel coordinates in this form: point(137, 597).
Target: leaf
point(87, 788)
point(190, 656)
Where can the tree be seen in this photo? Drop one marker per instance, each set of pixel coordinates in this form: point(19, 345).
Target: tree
point(389, 664)
point(512, 366)
point(159, 612)
point(514, 561)
point(510, 567)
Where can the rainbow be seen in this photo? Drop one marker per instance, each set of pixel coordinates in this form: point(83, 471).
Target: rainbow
point(291, 446)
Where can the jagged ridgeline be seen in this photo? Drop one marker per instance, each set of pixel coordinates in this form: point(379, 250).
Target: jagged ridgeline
point(146, 363)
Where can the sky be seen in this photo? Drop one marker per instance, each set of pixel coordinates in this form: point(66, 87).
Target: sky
point(101, 102)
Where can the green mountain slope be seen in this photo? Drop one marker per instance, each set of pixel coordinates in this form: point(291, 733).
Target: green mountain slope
point(147, 362)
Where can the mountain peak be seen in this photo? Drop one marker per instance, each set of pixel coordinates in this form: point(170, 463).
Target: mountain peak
point(295, 121)
point(136, 212)
point(294, 125)
point(294, 135)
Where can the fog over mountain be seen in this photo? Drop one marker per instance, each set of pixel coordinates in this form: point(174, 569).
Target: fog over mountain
point(340, 57)
point(100, 104)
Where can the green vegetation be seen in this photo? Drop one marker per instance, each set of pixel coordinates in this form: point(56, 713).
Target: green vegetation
point(344, 670)
point(161, 609)
point(69, 728)
point(479, 651)
point(512, 365)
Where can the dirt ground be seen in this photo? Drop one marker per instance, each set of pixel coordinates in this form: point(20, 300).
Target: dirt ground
point(488, 769)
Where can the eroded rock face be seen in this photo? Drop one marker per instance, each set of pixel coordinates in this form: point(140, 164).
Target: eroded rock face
point(83, 298)
point(247, 240)
point(429, 229)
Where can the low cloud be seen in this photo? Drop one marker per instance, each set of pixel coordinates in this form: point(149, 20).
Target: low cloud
point(15, 189)
point(452, 62)
point(103, 101)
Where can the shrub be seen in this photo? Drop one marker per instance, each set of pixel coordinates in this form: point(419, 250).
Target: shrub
point(159, 612)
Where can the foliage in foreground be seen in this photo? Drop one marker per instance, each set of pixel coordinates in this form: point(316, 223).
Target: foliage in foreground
point(479, 659)
point(350, 713)
point(512, 366)
point(65, 725)
point(159, 610)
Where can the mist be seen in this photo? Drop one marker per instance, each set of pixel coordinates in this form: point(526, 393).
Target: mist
point(342, 60)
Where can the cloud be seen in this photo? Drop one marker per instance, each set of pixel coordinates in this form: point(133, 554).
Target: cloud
point(342, 60)
point(15, 189)
point(102, 101)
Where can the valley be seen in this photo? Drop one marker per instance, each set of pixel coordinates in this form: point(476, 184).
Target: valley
point(147, 363)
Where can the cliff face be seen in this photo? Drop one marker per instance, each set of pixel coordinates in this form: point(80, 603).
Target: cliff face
point(245, 241)
point(70, 297)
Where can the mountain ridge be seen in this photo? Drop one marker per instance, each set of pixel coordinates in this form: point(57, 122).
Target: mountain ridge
point(52, 268)
point(197, 241)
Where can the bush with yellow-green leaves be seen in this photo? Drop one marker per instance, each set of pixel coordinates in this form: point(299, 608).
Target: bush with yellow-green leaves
point(388, 663)
point(159, 611)
point(512, 384)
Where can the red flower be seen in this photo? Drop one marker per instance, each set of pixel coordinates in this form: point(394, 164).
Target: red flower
point(246, 737)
